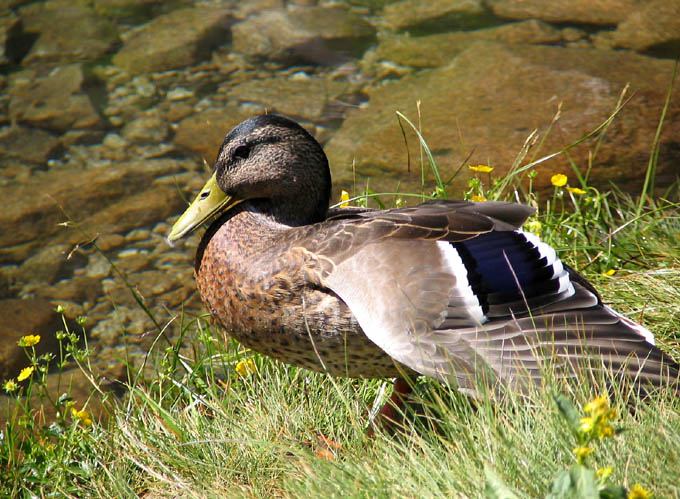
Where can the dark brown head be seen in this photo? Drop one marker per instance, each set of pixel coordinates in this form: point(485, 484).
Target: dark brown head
point(267, 164)
point(277, 167)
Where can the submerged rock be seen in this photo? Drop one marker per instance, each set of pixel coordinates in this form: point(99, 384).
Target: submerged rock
point(482, 106)
point(146, 130)
point(104, 200)
point(10, 29)
point(20, 318)
point(432, 16)
point(55, 101)
point(66, 31)
point(29, 145)
point(440, 49)
point(318, 35)
point(307, 98)
point(655, 28)
point(602, 12)
point(49, 264)
point(203, 133)
point(181, 38)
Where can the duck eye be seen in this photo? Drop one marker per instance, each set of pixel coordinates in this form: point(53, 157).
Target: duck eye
point(242, 152)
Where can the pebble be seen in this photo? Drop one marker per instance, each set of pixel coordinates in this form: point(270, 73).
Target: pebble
point(107, 242)
point(115, 141)
point(138, 235)
point(143, 86)
point(179, 93)
point(98, 266)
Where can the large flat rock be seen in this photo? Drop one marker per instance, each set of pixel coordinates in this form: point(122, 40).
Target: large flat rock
point(55, 101)
point(320, 35)
point(489, 99)
point(67, 31)
point(601, 12)
point(181, 38)
point(104, 200)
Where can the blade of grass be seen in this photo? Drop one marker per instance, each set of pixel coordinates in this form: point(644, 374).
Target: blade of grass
point(433, 165)
point(650, 176)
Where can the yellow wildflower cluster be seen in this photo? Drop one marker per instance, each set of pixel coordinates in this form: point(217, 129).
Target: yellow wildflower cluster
point(560, 180)
point(600, 416)
point(596, 425)
point(30, 340)
point(477, 198)
point(604, 473)
point(83, 416)
point(582, 453)
point(534, 226)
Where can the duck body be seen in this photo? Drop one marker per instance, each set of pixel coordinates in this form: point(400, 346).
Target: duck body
point(271, 298)
point(449, 289)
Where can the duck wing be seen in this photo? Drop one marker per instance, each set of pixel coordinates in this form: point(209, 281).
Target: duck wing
point(454, 290)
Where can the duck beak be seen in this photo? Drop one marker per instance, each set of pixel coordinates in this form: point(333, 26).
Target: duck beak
point(209, 202)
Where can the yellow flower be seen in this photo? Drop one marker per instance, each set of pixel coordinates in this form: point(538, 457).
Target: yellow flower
point(582, 452)
point(597, 405)
point(638, 492)
point(477, 198)
point(604, 473)
point(344, 197)
point(246, 367)
point(605, 430)
point(575, 190)
point(535, 226)
point(10, 385)
point(83, 416)
point(587, 424)
point(558, 180)
point(25, 373)
point(30, 340)
point(481, 168)
point(610, 272)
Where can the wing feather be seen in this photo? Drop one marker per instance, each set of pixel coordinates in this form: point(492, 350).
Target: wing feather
point(481, 299)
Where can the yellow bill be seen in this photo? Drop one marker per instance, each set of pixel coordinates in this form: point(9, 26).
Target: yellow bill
point(209, 202)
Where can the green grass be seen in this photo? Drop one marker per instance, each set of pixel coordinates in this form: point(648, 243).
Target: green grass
point(198, 428)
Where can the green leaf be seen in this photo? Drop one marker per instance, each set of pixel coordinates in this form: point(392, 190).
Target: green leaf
point(576, 482)
point(584, 481)
point(568, 411)
point(613, 492)
point(560, 486)
point(494, 487)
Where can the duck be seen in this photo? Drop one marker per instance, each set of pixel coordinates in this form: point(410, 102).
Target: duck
point(452, 290)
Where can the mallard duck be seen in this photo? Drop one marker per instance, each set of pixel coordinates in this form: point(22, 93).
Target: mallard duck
point(454, 290)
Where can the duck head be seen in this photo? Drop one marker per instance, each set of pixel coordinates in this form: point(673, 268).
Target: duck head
point(272, 164)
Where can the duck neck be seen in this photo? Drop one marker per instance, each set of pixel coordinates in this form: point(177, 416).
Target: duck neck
point(288, 212)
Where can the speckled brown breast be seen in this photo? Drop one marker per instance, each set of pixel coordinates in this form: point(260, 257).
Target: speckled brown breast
point(276, 305)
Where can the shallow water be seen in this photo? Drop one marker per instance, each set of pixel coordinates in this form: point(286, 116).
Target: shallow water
point(113, 110)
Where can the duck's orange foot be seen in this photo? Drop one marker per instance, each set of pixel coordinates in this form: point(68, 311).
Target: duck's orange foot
point(392, 412)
